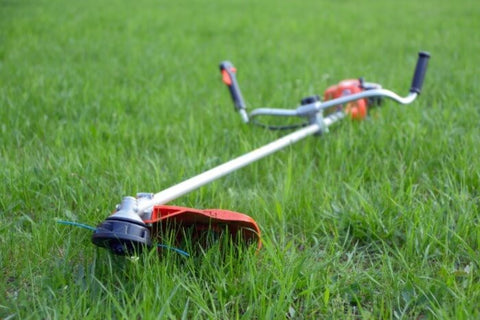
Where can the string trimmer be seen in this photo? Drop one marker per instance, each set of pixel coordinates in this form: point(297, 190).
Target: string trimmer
point(138, 220)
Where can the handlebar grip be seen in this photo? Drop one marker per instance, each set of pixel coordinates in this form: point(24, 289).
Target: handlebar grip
point(420, 71)
point(228, 76)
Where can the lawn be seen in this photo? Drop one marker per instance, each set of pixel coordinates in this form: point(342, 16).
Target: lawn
point(375, 220)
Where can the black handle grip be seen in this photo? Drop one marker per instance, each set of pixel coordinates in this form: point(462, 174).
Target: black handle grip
point(420, 71)
point(228, 76)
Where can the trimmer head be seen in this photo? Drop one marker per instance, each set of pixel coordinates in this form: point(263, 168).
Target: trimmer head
point(122, 236)
point(124, 232)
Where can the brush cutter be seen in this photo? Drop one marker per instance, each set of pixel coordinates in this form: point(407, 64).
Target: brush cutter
point(139, 220)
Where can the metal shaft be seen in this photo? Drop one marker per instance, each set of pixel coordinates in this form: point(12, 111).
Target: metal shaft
point(208, 176)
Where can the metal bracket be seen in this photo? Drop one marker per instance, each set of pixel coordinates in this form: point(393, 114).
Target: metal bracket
point(317, 118)
point(142, 198)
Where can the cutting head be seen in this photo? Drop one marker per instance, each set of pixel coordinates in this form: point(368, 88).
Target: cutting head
point(122, 236)
point(124, 232)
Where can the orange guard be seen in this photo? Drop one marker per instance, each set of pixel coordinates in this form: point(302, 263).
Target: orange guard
point(237, 224)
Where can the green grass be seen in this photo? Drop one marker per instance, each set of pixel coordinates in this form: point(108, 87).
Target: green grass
point(377, 220)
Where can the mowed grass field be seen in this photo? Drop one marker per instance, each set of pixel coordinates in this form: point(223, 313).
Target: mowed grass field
point(374, 220)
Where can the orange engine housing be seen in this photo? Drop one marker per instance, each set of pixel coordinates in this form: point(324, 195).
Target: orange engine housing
point(356, 109)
